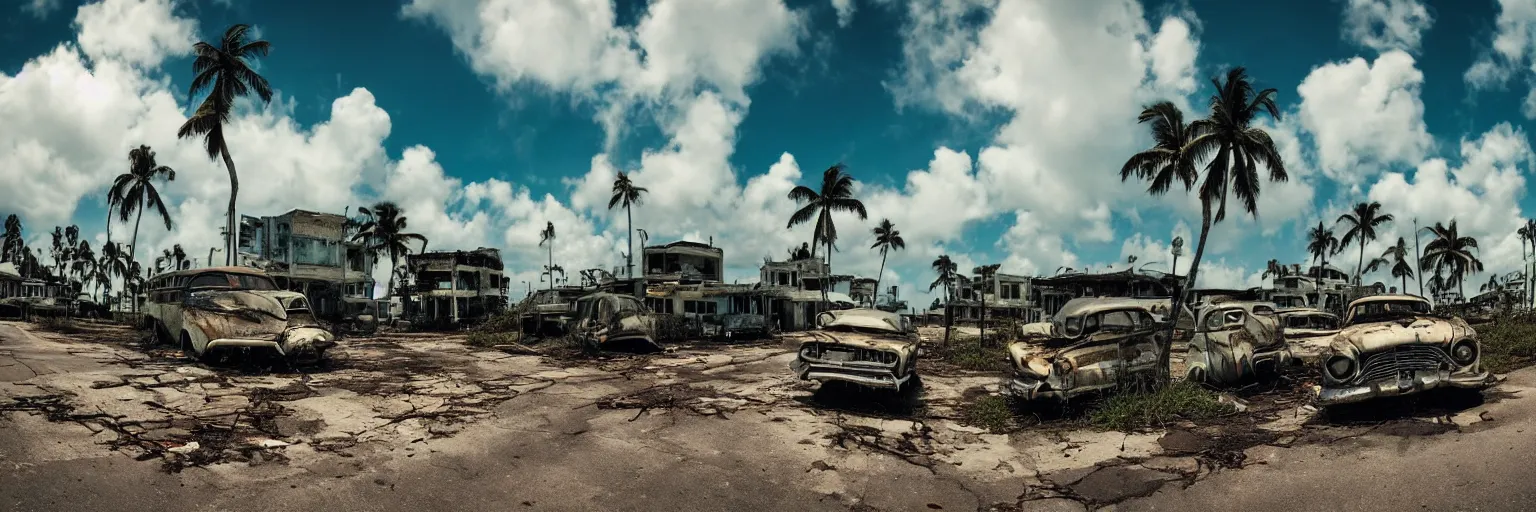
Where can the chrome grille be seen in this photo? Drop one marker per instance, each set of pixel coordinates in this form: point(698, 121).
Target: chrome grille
point(1386, 364)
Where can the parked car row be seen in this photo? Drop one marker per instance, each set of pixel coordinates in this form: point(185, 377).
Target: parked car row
point(1385, 345)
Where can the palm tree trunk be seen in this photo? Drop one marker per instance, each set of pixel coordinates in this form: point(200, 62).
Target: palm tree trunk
point(826, 278)
point(133, 247)
point(948, 320)
point(1405, 284)
point(1165, 352)
point(878, 276)
point(230, 221)
point(629, 259)
point(1360, 265)
point(389, 290)
point(981, 322)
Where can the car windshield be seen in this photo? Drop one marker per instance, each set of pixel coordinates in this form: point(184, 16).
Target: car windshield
point(1312, 322)
point(1072, 326)
point(1387, 310)
point(232, 281)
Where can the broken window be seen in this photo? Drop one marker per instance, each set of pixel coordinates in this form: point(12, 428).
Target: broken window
point(1010, 291)
point(1117, 321)
point(701, 307)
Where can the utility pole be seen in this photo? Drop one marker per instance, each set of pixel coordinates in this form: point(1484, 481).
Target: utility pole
point(341, 245)
point(1417, 256)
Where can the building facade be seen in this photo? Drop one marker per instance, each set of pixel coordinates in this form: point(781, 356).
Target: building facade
point(304, 251)
point(450, 288)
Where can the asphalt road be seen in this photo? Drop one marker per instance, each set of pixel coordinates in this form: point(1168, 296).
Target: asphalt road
point(549, 451)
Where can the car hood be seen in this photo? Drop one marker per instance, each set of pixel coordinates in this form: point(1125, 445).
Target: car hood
point(1418, 330)
point(901, 345)
point(273, 303)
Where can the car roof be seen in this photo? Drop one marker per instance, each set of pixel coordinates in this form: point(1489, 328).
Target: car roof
point(1388, 298)
point(205, 270)
point(1090, 305)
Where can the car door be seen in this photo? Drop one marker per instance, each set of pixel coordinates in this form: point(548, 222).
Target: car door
point(1102, 361)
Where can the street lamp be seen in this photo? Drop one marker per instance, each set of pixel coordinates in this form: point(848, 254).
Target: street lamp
point(212, 250)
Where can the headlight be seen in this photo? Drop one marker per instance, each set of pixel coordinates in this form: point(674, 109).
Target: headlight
point(1341, 367)
point(1464, 352)
point(1038, 366)
point(890, 357)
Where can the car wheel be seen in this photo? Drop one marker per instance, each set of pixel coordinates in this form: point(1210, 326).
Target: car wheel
point(1196, 375)
point(190, 352)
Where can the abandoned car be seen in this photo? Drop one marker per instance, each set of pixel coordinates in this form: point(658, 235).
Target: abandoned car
point(1236, 340)
point(607, 320)
point(209, 310)
point(1095, 344)
point(546, 312)
point(1308, 331)
point(868, 347)
point(1390, 345)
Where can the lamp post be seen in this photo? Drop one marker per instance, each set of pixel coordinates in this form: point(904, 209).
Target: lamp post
point(212, 250)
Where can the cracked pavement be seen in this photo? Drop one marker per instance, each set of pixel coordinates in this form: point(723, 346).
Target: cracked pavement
point(421, 421)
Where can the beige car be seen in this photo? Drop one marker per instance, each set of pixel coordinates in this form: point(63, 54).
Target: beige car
point(1094, 344)
point(868, 347)
point(1390, 345)
point(207, 311)
point(1309, 332)
point(1236, 341)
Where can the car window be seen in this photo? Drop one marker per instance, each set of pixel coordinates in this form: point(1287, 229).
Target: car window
point(1263, 310)
point(248, 282)
point(211, 280)
point(1116, 321)
point(1233, 317)
point(1073, 327)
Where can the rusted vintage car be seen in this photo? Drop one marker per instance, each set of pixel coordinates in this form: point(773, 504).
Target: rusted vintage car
point(208, 311)
point(1095, 344)
point(1235, 341)
point(1308, 331)
point(863, 346)
point(607, 320)
point(743, 326)
point(1390, 345)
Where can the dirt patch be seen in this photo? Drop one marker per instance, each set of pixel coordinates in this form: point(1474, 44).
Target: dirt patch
point(699, 400)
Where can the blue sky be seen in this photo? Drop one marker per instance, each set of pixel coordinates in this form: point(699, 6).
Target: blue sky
point(484, 139)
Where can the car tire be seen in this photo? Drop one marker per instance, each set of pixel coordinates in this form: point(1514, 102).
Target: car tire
point(190, 352)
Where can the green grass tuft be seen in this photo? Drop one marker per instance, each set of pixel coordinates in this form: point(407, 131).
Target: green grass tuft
point(992, 412)
point(967, 352)
point(487, 339)
point(1508, 343)
point(1177, 401)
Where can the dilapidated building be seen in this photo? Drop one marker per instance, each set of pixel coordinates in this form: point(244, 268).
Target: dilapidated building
point(452, 288)
point(311, 253)
point(683, 262)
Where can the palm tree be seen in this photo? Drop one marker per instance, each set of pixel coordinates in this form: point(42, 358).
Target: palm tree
point(887, 239)
point(1362, 223)
point(57, 251)
point(836, 195)
point(547, 239)
point(113, 263)
point(982, 273)
point(1274, 268)
point(384, 233)
point(225, 72)
point(1527, 233)
point(1233, 151)
point(136, 191)
point(947, 271)
point(1321, 244)
point(1397, 256)
point(1452, 252)
point(11, 243)
point(84, 259)
point(1492, 284)
point(178, 257)
point(626, 193)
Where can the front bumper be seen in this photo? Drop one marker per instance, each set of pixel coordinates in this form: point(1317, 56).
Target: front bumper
point(1279, 356)
point(1034, 389)
point(863, 374)
point(1421, 381)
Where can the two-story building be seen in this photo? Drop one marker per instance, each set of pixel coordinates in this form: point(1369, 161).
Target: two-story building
point(450, 288)
point(311, 253)
point(683, 262)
